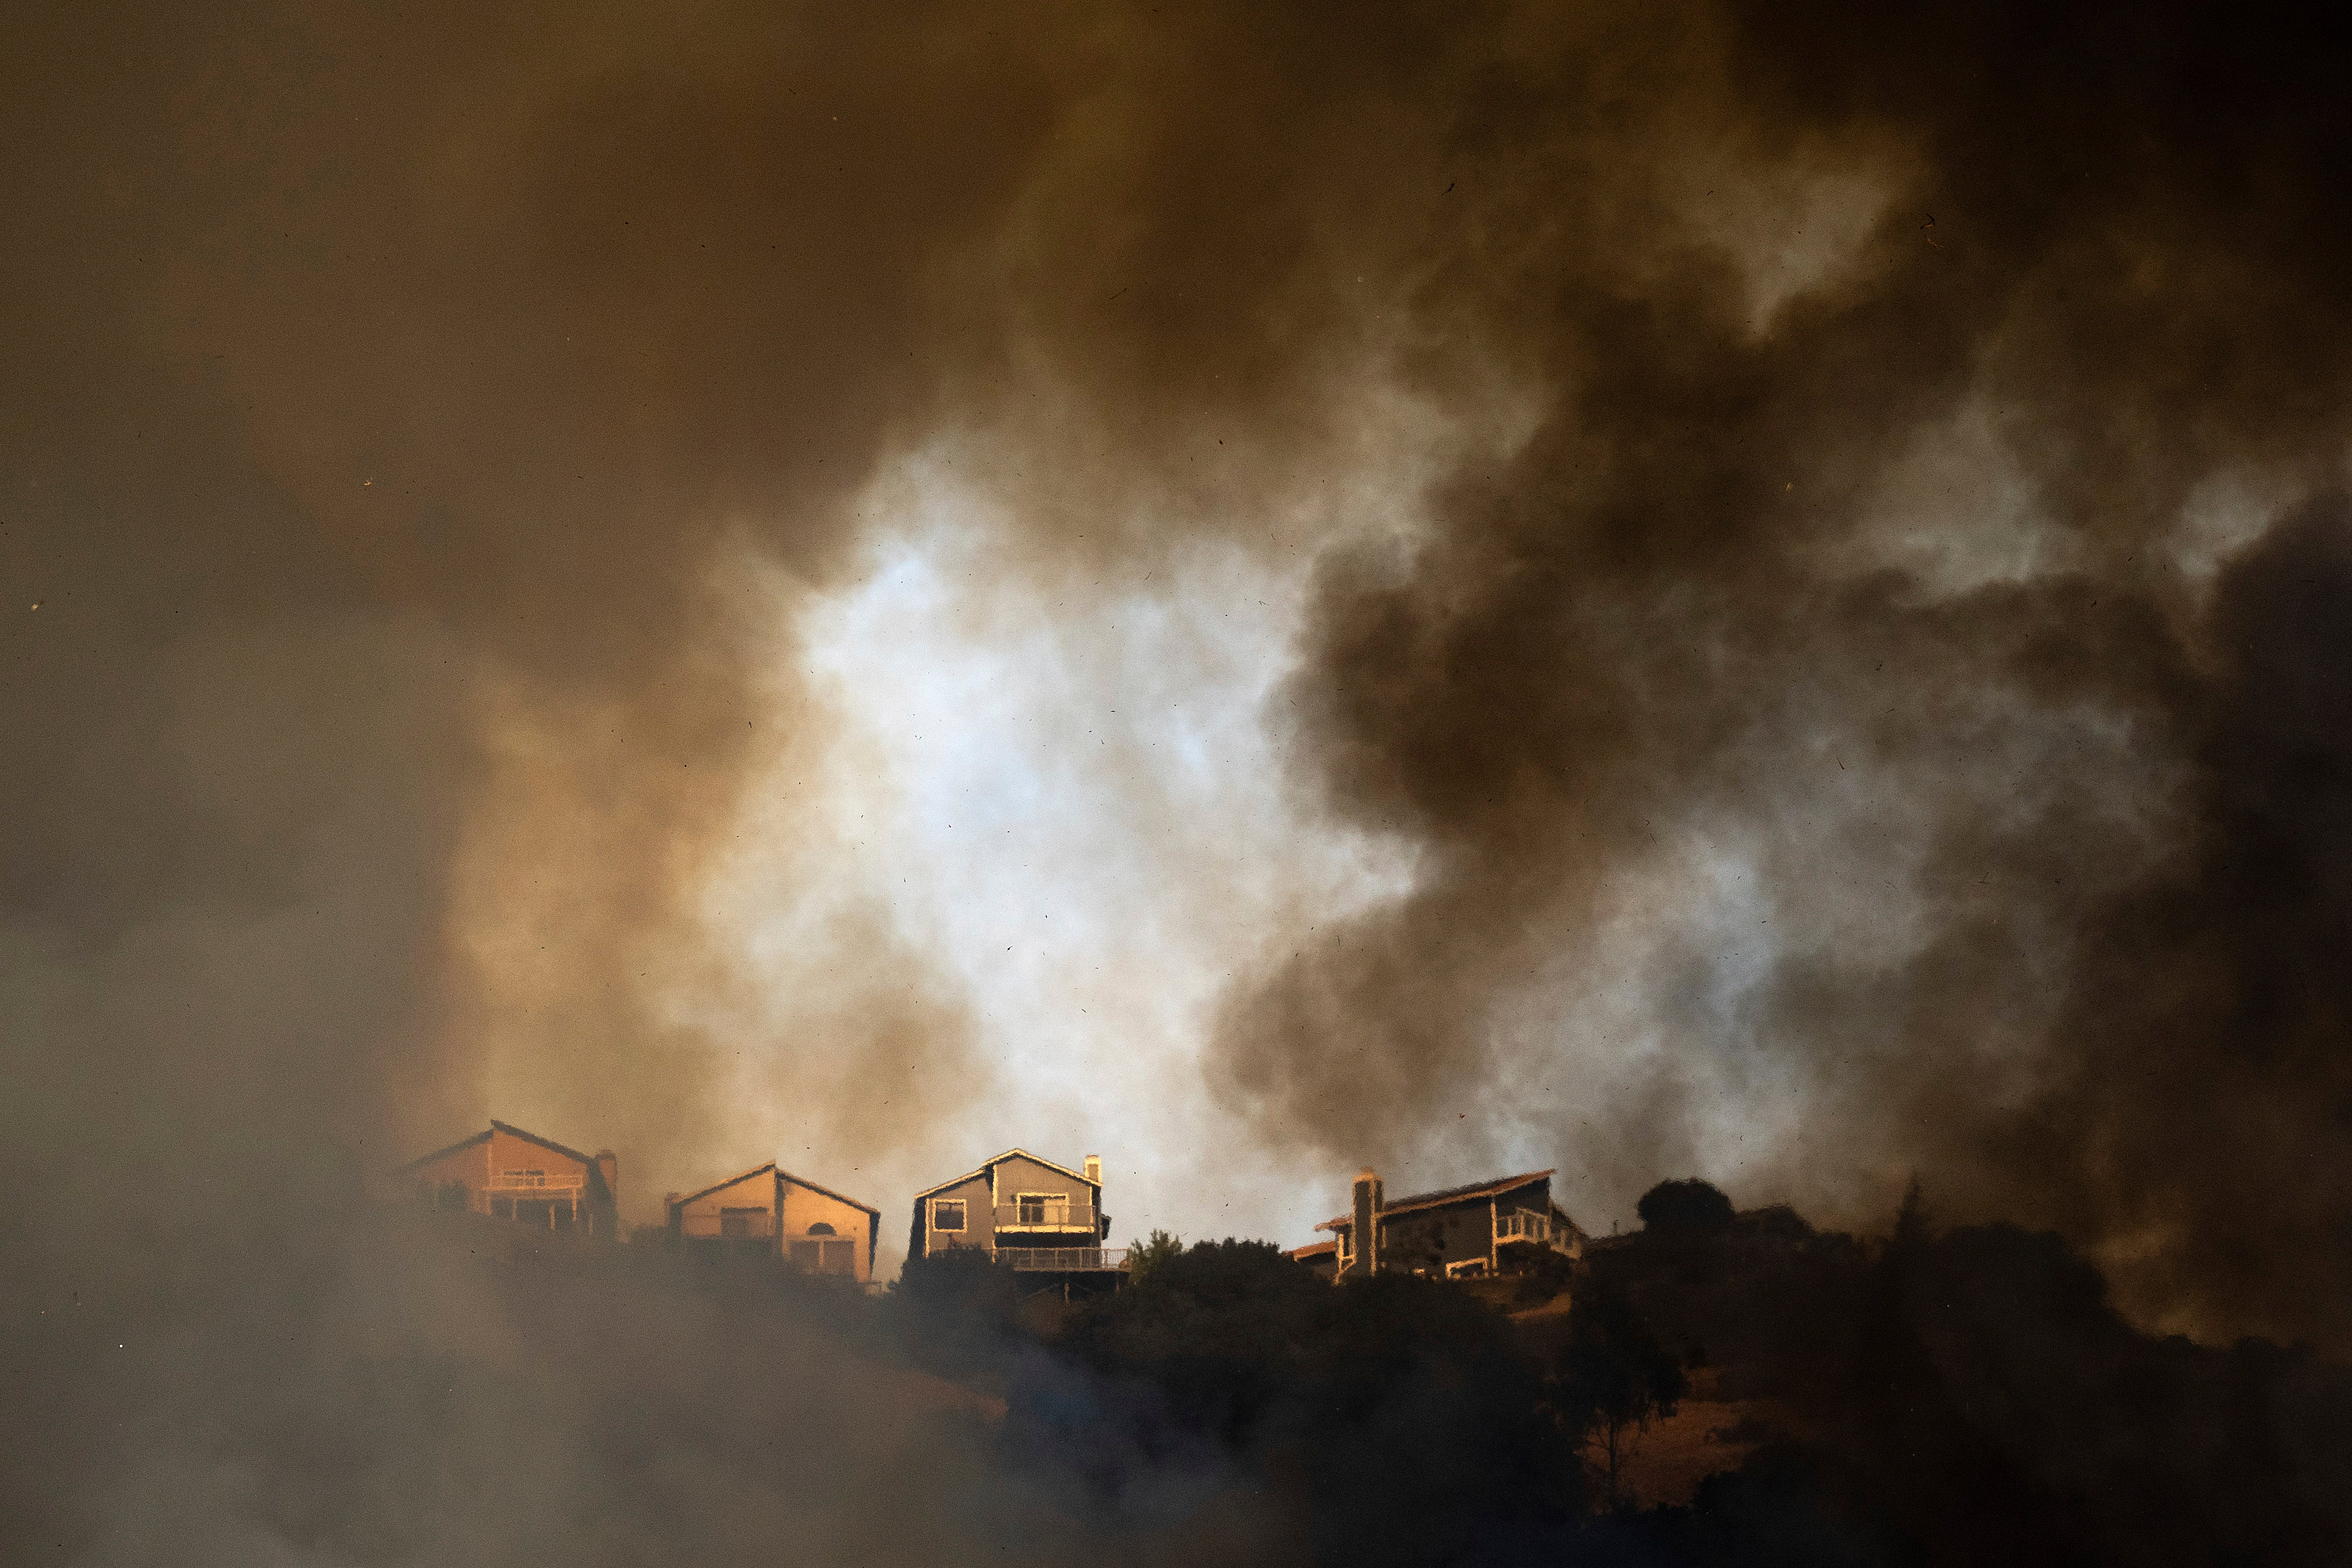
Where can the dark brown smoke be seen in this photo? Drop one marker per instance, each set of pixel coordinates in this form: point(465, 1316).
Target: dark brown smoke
point(2096, 788)
point(391, 403)
point(382, 398)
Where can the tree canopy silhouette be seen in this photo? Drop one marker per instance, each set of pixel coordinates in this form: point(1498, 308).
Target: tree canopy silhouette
point(1689, 1205)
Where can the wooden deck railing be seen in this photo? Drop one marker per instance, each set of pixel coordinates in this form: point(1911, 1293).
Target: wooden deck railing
point(559, 1184)
point(1046, 1213)
point(1064, 1259)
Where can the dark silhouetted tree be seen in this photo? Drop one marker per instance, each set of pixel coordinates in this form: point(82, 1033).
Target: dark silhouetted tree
point(1400, 1416)
point(957, 1311)
point(1145, 1257)
point(1690, 1205)
point(1615, 1379)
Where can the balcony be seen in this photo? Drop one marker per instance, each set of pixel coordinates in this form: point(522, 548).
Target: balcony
point(538, 1183)
point(1064, 1259)
point(1524, 1224)
point(1046, 1213)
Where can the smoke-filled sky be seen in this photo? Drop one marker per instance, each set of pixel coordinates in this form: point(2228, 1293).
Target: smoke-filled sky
point(1722, 590)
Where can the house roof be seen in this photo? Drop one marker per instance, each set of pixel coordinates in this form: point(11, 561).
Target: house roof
point(1444, 1195)
point(731, 1181)
point(496, 1126)
point(1009, 1153)
point(1313, 1249)
point(784, 1174)
point(828, 1192)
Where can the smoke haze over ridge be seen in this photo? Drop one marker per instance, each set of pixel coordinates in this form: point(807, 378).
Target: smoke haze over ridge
point(1845, 634)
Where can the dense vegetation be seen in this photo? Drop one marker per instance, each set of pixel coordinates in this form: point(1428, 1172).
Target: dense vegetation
point(1956, 1398)
point(411, 1385)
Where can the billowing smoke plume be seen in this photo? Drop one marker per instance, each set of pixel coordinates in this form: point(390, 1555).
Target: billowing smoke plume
point(1900, 562)
point(384, 400)
point(1872, 617)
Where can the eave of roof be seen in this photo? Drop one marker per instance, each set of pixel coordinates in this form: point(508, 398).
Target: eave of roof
point(496, 1126)
point(481, 1137)
point(731, 1181)
point(499, 1126)
point(1444, 1195)
point(991, 1165)
point(1313, 1250)
point(837, 1198)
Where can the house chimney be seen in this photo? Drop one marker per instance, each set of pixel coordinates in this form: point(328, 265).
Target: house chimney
point(608, 1164)
point(1093, 1169)
point(1364, 1225)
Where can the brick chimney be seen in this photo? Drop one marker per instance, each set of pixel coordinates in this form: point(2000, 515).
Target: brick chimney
point(1364, 1227)
point(608, 1166)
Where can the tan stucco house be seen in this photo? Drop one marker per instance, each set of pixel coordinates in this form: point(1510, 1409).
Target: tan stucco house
point(768, 1212)
point(510, 1175)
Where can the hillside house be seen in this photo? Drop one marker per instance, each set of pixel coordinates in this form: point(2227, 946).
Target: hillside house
point(1486, 1227)
point(769, 1213)
point(510, 1175)
point(1320, 1258)
point(1025, 1212)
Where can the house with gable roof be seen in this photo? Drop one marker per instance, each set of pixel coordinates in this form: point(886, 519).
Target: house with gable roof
point(769, 1213)
point(1025, 1212)
point(509, 1174)
point(1494, 1227)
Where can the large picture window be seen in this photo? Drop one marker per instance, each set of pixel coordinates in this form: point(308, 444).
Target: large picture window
point(947, 1214)
point(821, 1256)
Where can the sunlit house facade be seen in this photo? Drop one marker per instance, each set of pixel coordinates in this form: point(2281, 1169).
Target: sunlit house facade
point(768, 1212)
point(507, 1174)
point(1025, 1212)
point(1484, 1227)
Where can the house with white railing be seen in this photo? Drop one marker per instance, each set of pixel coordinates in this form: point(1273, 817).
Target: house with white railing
point(510, 1175)
point(1025, 1213)
point(1496, 1226)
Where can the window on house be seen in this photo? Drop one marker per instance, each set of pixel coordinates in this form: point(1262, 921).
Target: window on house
point(947, 1214)
point(743, 1222)
point(824, 1257)
point(820, 1228)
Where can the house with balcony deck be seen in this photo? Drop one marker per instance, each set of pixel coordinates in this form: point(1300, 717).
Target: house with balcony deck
point(1486, 1227)
point(510, 1175)
point(1026, 1213)
point(768, 1213)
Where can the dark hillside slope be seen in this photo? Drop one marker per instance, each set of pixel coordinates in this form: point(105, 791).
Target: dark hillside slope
point(1974, 1395)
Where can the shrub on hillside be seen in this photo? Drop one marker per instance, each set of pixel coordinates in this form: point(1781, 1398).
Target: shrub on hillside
point(1400, 1415)
point(957, 1312)
point(1689, 1205)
